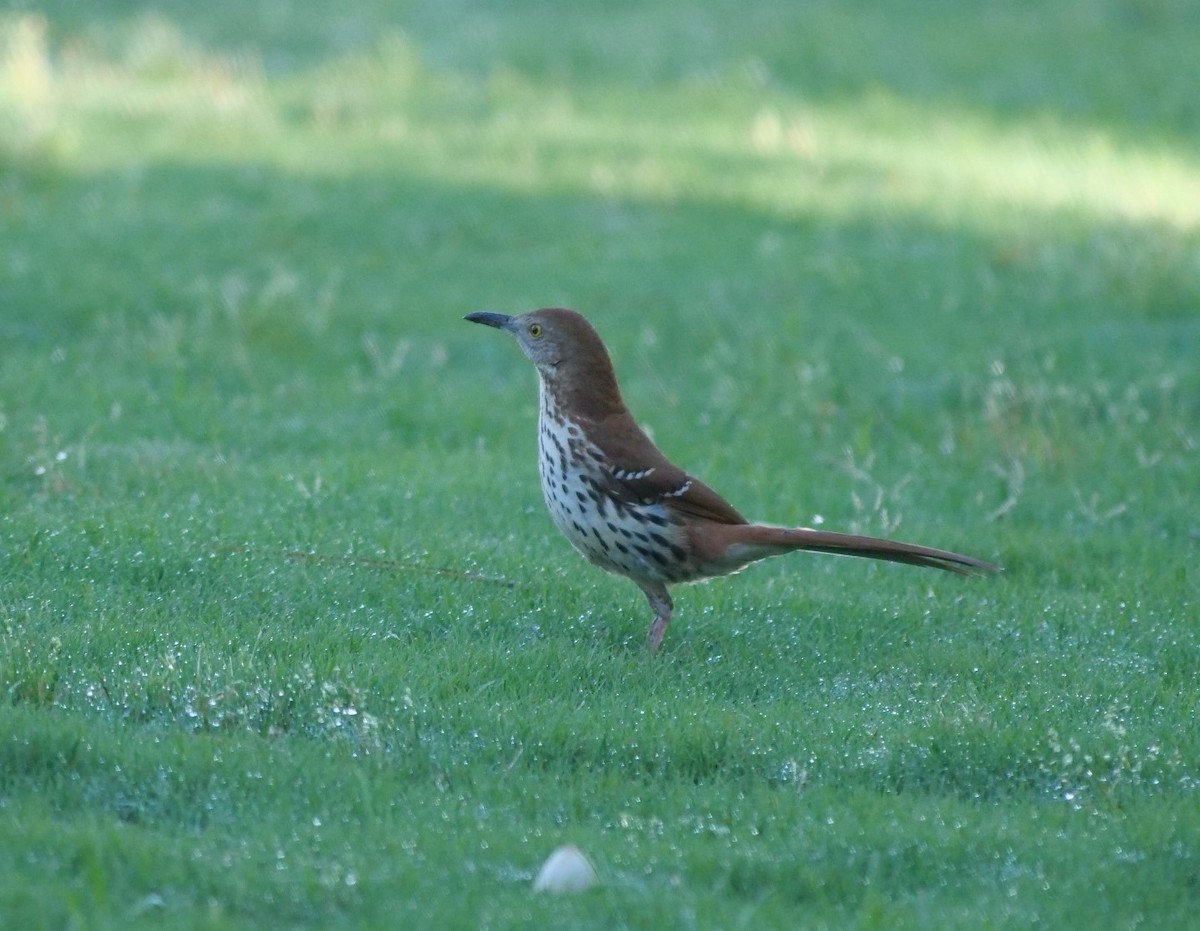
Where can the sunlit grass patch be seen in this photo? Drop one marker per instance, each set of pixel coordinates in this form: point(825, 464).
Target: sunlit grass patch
point(727, 140)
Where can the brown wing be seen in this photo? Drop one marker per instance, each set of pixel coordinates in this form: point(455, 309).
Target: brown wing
point(640, 474)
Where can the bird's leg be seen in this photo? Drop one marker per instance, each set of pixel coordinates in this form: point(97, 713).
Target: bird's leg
point(660, 602)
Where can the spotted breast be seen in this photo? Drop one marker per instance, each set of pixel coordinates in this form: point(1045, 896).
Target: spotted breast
point(638, 539)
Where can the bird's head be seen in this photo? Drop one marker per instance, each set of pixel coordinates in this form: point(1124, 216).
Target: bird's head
point(567, 352)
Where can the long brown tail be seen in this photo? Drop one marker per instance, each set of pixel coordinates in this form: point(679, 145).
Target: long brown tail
point(756, 541)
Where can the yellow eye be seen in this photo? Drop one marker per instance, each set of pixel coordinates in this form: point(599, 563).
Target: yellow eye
point(535, 330)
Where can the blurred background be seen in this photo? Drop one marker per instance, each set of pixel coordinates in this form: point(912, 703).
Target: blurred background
point(859, 197)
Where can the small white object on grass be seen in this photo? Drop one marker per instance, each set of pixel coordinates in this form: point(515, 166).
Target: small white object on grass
point(566, 870)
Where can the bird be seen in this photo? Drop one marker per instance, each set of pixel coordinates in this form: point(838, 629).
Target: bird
point(626, 507)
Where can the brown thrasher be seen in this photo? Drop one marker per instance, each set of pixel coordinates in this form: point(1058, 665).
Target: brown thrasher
point(624, 506)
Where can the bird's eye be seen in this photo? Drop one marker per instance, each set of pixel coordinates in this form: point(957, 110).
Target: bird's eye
point(535, 330)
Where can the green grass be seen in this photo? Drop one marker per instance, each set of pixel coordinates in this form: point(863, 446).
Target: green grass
point(286, 637)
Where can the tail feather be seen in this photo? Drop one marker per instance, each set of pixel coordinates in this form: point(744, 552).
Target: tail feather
point(757, 541)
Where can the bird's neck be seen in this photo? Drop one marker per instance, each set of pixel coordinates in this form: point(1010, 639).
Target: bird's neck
point(580, 395)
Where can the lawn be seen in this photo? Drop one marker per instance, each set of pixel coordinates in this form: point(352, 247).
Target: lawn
point(287, 638)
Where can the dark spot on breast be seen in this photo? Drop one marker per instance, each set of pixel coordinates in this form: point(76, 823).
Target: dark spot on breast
point(656, 555)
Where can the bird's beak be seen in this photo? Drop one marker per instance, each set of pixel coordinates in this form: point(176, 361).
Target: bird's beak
point(499, 321)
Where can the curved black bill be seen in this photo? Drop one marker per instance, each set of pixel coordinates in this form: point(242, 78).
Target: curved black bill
point(499, 321)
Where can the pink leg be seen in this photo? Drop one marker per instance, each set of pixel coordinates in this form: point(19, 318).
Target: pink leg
point(660, 602)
